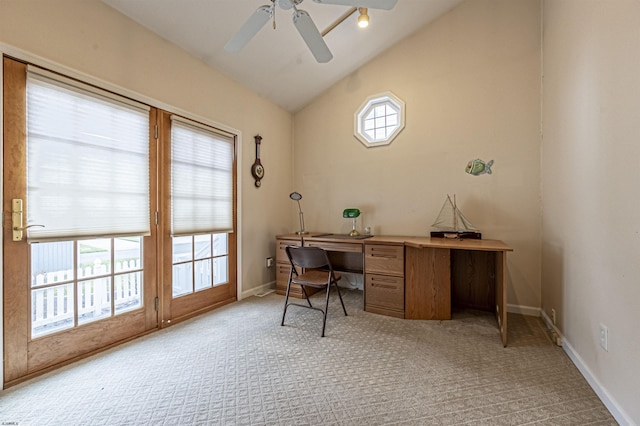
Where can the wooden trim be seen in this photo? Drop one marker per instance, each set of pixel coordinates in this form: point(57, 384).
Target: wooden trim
point(150, 246)
point(31, 375)
point(56, 348)
point(15, 270)
point(195, 312)
point(165, 267)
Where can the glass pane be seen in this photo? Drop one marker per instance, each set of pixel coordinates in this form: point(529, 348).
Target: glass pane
point(94, 300)
point(203, 274)
point(389, 109)
point(380, 122)
point(380, 134)
point(182, 249)
point(94, 257)
point(380, 111)
point(52, 309)
point(182, 281)
point(371, 134)
point(220, 270)
point(127, 253)
point(388, 131)
point(370, 115)
point(202, 246)
point(51, 263)
point(369, 124)
point(392, 120)
point(127, 292)
point(220, 244)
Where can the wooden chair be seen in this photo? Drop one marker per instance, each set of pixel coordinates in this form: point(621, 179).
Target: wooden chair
point(316, 272)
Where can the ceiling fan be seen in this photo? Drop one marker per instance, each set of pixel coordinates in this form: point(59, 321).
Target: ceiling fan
point(301, 20)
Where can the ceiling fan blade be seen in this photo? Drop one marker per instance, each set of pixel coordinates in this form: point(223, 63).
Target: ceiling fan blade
point(371, 4)
point(250, 28)
point(310, 34)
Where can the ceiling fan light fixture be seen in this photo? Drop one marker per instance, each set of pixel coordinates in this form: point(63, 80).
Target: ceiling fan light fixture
point(363, 19)
point(304, 24)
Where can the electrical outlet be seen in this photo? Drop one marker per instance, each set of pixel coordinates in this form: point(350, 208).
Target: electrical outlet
point(553, 316)
point(604, 337)
point(269, 262)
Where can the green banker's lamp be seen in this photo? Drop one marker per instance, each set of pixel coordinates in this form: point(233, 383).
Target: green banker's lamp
point(352, 214)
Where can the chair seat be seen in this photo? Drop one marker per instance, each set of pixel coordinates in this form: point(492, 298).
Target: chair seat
point(316, 265)
point(314, 278)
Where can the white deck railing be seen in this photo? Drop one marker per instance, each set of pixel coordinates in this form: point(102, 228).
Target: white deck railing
point(52, 308)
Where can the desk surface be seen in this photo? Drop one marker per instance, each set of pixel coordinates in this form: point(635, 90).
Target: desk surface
point(412, 241)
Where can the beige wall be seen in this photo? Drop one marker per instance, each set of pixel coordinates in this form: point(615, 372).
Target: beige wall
point(471, 84)
point(591, 176)
point(89, 37)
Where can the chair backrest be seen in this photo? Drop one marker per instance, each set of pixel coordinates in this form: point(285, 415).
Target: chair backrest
point(308, 257)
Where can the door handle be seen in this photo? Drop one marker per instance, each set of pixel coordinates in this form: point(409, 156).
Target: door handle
point(16, 219)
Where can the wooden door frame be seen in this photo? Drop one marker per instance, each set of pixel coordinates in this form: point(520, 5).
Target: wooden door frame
point(14, 127)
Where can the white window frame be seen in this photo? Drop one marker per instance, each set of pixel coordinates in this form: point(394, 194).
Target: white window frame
point(388, 99)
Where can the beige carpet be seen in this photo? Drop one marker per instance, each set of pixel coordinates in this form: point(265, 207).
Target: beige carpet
point(238, 366)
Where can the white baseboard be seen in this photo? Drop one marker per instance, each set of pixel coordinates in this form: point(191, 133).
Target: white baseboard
point(523, 310)
point(614, 408)
point(264, 288)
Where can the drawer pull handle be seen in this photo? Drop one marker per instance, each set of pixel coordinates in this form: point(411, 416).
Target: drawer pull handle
point(392, 287)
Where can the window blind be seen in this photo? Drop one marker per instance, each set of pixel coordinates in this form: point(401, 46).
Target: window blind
point(202, 161)
point(87, 161)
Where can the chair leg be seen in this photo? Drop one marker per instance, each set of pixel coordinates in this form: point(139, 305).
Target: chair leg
point(326, 309)
point(340, 295)
point(286, 302)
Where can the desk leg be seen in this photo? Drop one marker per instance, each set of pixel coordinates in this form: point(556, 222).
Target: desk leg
point(501, 294)
point(427, 283)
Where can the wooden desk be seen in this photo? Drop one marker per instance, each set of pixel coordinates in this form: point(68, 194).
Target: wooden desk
point(469, 273)
point(437, 273)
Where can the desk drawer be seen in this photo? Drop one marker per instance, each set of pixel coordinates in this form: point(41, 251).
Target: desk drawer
point(384, 291)
point(281, 255)
point(341, 247)
point(384, 259)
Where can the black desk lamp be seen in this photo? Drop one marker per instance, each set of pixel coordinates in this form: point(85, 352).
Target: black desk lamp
point(296, 196)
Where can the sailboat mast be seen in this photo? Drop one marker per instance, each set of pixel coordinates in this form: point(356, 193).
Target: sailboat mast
point(455, 215)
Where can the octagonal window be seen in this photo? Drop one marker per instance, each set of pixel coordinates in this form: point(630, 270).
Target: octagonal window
point(379, 120)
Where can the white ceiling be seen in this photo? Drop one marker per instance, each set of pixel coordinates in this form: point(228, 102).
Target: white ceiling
point(276, 63)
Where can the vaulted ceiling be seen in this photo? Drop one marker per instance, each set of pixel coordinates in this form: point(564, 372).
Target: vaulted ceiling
point(276, 63)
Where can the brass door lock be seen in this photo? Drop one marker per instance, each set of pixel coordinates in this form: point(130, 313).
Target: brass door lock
point(16, 220)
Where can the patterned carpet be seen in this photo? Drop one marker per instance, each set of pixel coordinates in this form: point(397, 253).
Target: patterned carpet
point(238, 366)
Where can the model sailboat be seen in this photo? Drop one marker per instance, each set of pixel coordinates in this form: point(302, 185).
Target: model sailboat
point(451, 223)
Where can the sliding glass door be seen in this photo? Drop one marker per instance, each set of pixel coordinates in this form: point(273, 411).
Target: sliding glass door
point(122, 219)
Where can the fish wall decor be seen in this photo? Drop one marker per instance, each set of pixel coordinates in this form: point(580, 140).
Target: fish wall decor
point(478, 167)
